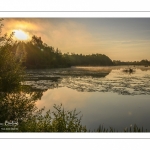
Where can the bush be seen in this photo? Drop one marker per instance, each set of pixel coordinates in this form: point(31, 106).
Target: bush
point(11, 70)
point(56, 121)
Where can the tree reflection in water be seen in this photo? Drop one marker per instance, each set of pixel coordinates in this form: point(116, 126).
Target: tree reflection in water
point(18, 104)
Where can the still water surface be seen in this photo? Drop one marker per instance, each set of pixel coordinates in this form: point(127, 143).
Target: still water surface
point(104, 95)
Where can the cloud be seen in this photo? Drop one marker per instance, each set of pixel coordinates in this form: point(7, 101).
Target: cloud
point(77, 36)
point(66, 35)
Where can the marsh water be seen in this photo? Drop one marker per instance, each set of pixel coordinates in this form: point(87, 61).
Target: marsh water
point(105, 96)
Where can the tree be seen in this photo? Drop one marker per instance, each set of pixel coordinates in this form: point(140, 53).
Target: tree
point(11, 70)
point(37, 41)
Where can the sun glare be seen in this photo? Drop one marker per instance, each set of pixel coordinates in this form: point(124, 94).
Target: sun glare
point(20, 35)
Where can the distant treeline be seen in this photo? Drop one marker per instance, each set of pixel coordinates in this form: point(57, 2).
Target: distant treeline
point(36, 54)
point(39, 55)
point(143, 62)
point(89, 60)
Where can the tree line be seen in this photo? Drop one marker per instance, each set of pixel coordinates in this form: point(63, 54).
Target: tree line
point(40, 55)
point(143, 62)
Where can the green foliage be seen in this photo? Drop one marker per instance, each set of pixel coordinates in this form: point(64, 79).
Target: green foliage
point(134, 128)
point(16, 104)
point(89, 60)
point(40, 55)
point(145, 62)
point(55, 121)
point(20, 105)
point(101, 128)
point(11, 71)
point(43, 56)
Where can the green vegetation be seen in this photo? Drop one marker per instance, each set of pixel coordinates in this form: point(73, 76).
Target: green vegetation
point(89, 60)
point(55, 121)
point(11, 71)
point(19, 105)
point(143, 62)
point(40, 55)
point(58, 120)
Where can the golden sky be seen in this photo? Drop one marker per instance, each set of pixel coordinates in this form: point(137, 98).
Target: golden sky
point(126, 39)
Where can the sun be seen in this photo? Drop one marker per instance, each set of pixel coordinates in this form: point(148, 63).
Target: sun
point(20, 35)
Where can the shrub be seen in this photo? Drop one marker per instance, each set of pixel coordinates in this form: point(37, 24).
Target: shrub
point(11, 70)
point(58, 120)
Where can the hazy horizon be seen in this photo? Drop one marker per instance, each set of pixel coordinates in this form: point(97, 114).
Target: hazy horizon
point(125, 39)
